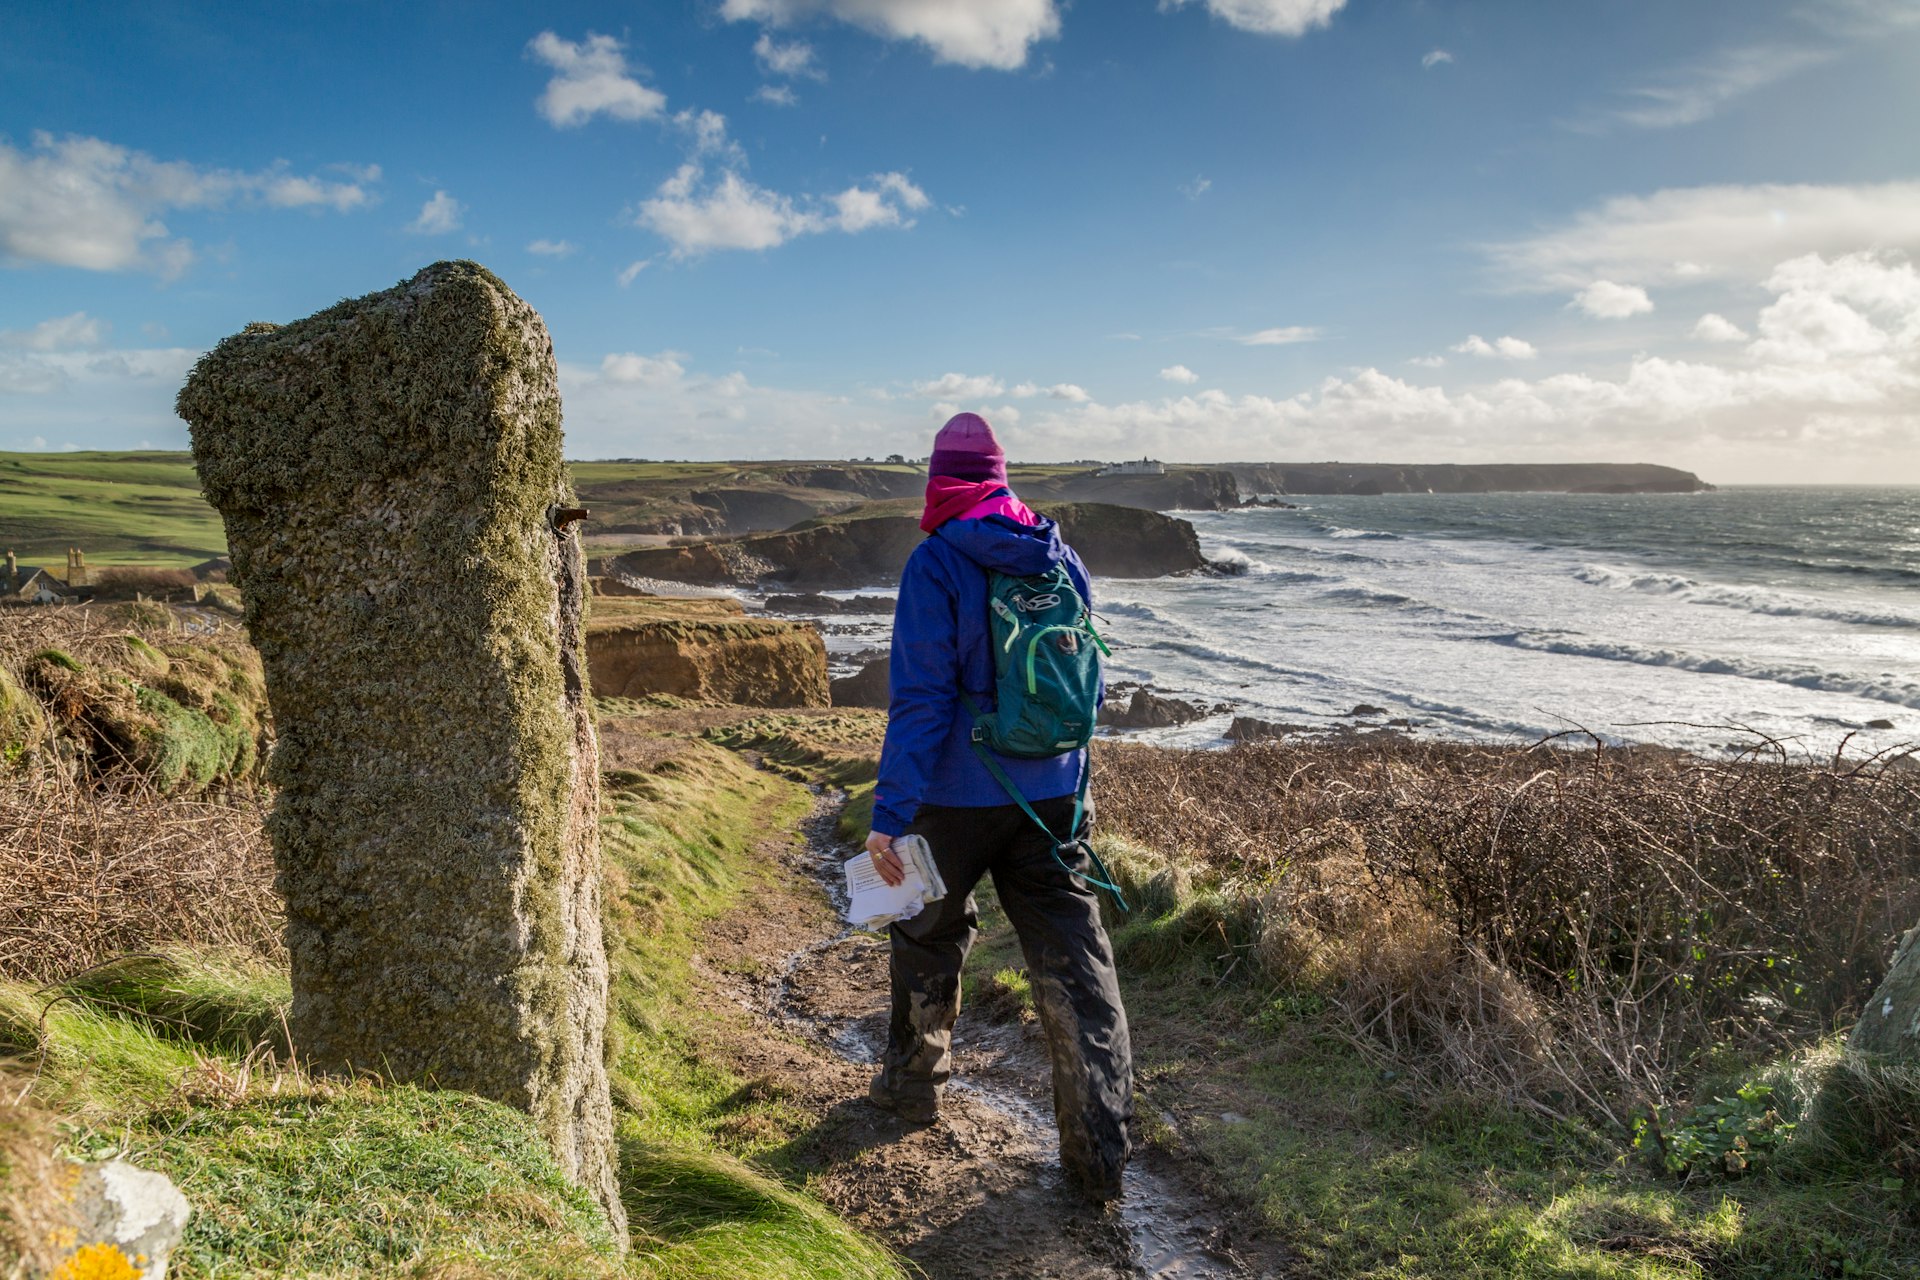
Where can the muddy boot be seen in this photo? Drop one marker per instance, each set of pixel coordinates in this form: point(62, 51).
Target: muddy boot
point(924, 969)
point(914, 1110)
point(1077, 994)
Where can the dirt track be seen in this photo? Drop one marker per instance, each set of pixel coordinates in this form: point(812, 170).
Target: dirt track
point(980, 1192)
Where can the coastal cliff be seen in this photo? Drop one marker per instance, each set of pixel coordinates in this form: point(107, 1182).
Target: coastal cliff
point(1324, 478)
point(868, 546)
point(1180, 489)
point(705, 650)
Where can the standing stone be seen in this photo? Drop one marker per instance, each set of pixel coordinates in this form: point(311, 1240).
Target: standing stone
point(391, 478)
point(1889, 1026)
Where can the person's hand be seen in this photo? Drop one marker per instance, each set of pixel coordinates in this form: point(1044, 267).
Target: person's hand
point(885, 861)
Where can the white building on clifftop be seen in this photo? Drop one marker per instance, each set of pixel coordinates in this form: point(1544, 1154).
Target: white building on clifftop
point(1142, 467)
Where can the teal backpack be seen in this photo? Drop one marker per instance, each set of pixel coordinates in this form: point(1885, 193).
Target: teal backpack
point(1046, 664)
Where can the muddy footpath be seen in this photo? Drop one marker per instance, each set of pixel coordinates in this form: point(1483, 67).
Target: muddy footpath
point(979, 1192)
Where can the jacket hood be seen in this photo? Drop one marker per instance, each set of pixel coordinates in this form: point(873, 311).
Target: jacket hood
point(995, 542)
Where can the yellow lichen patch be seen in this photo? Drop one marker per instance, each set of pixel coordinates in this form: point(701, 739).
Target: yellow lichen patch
point(97, 1262)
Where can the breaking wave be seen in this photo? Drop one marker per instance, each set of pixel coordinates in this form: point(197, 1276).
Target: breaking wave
point(1891, 689)
point(1779, 604)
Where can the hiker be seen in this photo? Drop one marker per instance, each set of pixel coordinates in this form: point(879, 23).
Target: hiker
point(1018, 817)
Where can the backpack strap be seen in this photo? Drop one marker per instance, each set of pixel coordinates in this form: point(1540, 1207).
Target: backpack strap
point(1105, 878)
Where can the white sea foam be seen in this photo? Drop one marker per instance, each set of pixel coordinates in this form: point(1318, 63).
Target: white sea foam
point(1885, 688)
point(1761, 600)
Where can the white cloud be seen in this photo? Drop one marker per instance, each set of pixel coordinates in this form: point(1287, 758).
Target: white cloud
point(703, 416)
point(1717, 328)
point(1197, 188)
point(858, 208)
point(1267, 17)
point(1691, 93)
point(104, 398)
point(1828, 390)
point(552, 248)
point(591, 78)
point(794, 58)
point(291, 191)
point(438, 216)
point(960, 386)
point(1697, 234)
point(708, 129)
point(88, 203)
point(977, 33)
point(1058, 391)
point(1434, 57)
point(729, 214)
point(632, 270)
point(1429, 362)
point(1281, 337)
point(1508, 348)
point(897, 185)
point(78, 331)
point(1605, 300)
point(699, 216)
point(1179, 373)
point(651, 371)
point(778, 95)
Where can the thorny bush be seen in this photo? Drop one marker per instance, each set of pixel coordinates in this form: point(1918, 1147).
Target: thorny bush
point(1582, 931)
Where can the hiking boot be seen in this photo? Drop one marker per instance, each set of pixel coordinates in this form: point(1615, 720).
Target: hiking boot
point(1096, 1188)
point(912, 1110)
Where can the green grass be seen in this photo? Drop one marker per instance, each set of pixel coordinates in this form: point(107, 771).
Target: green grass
point(120, 508)
point(172, 1059)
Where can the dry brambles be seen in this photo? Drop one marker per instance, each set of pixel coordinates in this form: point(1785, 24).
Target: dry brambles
point(1574, 930)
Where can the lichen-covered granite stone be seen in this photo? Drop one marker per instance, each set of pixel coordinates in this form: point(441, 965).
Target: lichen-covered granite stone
point(389, 471)
point(1889, 1026)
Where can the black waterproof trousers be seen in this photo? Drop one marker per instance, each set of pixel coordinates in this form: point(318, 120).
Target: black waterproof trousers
point(1069, 964)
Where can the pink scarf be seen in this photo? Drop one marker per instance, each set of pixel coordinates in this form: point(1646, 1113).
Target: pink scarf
point(950, 498)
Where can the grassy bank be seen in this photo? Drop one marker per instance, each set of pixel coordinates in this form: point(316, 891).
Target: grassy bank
point(177, 1057)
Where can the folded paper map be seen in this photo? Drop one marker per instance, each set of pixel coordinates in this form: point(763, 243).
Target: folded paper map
point(872, 903)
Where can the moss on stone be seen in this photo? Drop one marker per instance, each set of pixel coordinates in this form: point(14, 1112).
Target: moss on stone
point(387, 470)
point(23, 726)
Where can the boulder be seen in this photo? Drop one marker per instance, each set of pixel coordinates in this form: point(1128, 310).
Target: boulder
point(1889, 1026)
point(867, 687)
point(1148, 710)
point(403, 531)
point(812, 604)
point(119, 1206)
point(1251, 729)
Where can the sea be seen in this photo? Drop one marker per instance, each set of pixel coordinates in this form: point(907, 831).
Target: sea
point(1710, 621)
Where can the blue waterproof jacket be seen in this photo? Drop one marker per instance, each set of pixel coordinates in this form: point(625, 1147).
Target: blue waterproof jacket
point(942, 648)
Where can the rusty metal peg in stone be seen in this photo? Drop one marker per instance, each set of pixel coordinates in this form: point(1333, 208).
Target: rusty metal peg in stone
point(388, 470)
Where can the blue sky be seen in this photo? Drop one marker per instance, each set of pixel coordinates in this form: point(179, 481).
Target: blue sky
point(1198, 229)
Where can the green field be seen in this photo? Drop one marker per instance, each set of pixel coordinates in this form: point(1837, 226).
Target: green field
point(120, 508)
point(146, 508)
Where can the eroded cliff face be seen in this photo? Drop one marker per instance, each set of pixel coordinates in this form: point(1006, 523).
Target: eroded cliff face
point(703, 650)
point(870, 545)
point(1125, 542)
